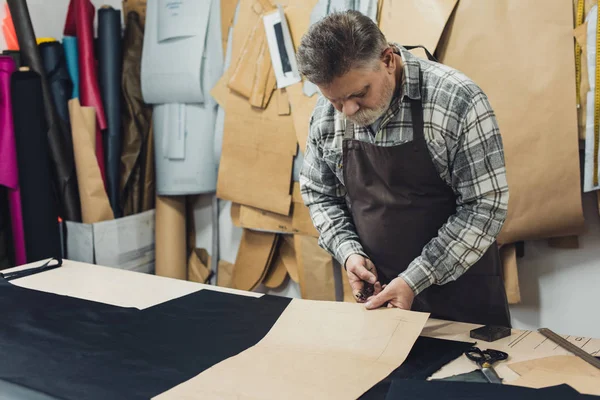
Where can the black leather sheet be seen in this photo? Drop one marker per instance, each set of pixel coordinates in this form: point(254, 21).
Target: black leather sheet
point(448, 390)
point(78, 349)
point(426, 357)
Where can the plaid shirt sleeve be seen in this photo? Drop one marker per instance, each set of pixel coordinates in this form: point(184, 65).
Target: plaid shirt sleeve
point(477, 172)
point(324, 194)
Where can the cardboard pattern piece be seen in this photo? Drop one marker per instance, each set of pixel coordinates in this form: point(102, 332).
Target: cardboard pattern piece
point(253, 259)
point(315, 350)
point(539, 132)
point(315, 269)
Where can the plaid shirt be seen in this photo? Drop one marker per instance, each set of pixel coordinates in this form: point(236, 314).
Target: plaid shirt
point(464, 142)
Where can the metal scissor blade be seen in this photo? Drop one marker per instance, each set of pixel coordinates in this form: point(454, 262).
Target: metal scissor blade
point(491, 375)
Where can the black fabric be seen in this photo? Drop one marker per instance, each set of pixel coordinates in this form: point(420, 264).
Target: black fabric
point(473, 376)
point(78, 349)
point(61, 154)
point(426, 357)
point(109, 75)
point(6, 243)
point(40, 212)
point(435, 390)
point(50, 264)
point(61, 87)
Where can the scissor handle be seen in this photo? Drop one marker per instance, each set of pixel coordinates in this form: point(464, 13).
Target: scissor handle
point(490, 355)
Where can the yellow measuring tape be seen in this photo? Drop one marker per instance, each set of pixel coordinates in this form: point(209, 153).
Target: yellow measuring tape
point(596, 103)
point(578, 21)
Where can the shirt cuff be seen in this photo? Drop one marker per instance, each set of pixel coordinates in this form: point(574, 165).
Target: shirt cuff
point(418, 275)
point(346, 249)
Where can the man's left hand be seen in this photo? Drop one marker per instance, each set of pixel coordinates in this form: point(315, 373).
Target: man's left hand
point(396, 294)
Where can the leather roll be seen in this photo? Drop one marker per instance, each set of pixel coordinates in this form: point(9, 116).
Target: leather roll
point(137, 157)
point(70, 46)
point(15, 55)
point(109, 68)
point(61, 87)
point(40, 211)
point(80, 23)
point(64, 177)
point(9, 169)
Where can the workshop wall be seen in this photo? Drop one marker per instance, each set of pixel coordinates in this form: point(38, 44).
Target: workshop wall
point(558, 286)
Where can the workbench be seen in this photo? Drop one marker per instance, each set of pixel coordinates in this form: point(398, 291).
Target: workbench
point(132, 289)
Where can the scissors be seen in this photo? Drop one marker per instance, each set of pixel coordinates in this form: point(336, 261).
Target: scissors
point(485, 359)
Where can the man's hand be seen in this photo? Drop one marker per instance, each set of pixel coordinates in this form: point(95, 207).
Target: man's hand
point(362, 276)
point(397, 294)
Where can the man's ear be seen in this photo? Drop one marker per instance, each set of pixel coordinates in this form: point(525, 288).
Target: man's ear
point(387, 57)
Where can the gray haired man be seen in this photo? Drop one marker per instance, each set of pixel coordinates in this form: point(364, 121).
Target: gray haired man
point(404, 174)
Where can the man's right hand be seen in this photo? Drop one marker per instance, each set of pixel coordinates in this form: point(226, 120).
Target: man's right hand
point(361, 272)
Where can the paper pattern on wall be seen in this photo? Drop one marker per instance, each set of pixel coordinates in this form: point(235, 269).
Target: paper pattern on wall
point(185, 133)
point(539, 132)
point(258, 145)
point(171, 73)
point(590, 151)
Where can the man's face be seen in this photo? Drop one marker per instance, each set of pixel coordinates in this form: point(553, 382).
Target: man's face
point(362, 95)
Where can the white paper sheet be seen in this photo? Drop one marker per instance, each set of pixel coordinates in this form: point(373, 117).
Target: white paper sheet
point(284, 65)
point(173, 68)
point(588, 174)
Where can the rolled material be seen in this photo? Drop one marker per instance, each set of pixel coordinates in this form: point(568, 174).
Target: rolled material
point(15, 55)
point(61, 155)
point(171, 237)
point(70, 46)
point(61, 87)
point(9, 169)
point(40, 212)
point(109, 61)
point(80, 23)
point(137, 156)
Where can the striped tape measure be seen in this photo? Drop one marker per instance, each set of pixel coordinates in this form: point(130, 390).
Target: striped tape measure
point(578, 21)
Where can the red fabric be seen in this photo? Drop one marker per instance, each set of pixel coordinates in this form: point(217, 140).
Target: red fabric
point(80, 23)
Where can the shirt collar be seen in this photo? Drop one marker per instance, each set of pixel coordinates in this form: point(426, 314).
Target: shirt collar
point(411, 77)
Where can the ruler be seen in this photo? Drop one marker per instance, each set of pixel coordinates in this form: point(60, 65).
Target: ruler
point(565, 344)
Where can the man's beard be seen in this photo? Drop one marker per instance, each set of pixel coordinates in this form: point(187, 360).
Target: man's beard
point(366, 116)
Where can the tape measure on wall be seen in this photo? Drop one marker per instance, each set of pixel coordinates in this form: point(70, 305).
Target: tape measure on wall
point(578, 21)
point(596, 102)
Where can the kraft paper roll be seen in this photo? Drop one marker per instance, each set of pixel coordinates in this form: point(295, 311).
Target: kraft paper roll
point(171, 71)
point(9, 168)
point(171, 237)
point(70, 47)
point(40, 212)
point(94, 201)
point(109, 63)
point(61, 87)
point(80, 23)
point(137, 155)
point(61, 154)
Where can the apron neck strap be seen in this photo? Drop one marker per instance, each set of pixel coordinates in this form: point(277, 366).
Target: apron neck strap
point(349, 130)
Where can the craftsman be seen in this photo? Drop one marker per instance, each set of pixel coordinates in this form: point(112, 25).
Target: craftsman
point(404, 174)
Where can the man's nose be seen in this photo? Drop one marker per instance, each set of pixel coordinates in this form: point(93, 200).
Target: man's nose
point(350, 108)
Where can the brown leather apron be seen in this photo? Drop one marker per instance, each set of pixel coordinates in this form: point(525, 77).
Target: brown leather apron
point(399, 202)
